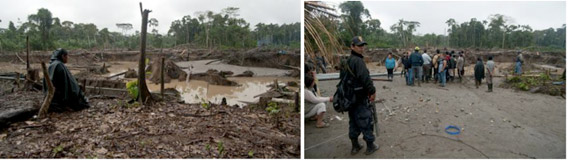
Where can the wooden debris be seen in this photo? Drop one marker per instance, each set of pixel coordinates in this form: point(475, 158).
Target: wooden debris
point(50, 92)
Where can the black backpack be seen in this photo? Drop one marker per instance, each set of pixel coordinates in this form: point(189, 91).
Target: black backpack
point(345, 94)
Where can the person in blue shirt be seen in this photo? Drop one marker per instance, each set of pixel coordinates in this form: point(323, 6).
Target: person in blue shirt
point(390, 63)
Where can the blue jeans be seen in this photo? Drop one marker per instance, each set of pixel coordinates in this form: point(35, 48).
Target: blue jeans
point(442, 77)
point(409, 77)
point(416, 73)
point(518, 68)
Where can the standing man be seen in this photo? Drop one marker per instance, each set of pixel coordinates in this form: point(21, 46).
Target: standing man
point(360, 113)
point(416, 62)
point(479, 72)
point(490, 72)
point(519, 63)
point(427, 66)
point(435, 65)
point(460, 66)
point(405, 63)
point(442, 63)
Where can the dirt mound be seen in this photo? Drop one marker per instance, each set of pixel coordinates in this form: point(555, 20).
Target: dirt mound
point(172, 71)
point(131, 73)
point(264, 58)
point(247, 73)
point(214, 77)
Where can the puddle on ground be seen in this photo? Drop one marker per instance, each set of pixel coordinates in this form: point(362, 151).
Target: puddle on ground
point(195, 90)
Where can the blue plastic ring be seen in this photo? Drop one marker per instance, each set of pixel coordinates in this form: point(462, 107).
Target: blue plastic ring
point(454, 127)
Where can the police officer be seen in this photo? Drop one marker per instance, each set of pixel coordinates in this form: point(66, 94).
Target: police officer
point(360, 114)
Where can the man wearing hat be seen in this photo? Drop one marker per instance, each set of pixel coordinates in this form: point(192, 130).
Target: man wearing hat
point(417, 62)
point(360, 115)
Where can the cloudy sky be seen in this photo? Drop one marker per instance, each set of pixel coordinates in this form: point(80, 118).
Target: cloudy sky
point(106, 13)
point(432, 15)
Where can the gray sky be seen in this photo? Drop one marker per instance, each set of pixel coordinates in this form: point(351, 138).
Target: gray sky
point(433, 15)
point(106, 13)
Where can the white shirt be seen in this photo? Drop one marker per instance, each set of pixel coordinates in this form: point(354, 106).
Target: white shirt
point(310, 97)
point(426, 58)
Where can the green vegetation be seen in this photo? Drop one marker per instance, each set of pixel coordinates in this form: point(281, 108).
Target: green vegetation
point(251, 154)
point(272, 108)
point(132, 88)
point(207, 30)
point(220, 148)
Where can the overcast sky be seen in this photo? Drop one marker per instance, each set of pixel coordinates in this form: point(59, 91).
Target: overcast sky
point(106, 13)
point(433, 15)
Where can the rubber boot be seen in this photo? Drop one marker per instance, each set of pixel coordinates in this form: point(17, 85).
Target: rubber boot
point(490, 87)
point(371, 148)
point(356, 147)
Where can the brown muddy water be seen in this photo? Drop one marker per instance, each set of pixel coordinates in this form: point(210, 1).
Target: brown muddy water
point(196, 91)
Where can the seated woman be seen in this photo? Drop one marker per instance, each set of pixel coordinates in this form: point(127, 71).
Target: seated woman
point(68, 96)
point(315, 106)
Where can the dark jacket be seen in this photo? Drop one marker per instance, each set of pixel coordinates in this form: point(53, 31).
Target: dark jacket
point(360, 76)
point(68, 95)
point(416, 59)
point(479, 70)
point(453, 63)
point(406, 62)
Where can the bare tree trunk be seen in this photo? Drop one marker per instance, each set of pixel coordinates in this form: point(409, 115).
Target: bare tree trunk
point(144, 94)
point(162, 79)
point(503, 43)
point(50, 91)
point(27, 52)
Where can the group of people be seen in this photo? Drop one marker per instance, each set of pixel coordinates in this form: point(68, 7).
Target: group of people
point(443, 67)
point(440, 67)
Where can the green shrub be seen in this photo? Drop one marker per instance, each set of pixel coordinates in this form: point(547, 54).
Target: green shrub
point(132, 88)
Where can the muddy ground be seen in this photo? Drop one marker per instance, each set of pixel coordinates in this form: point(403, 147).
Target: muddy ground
point(504, 124)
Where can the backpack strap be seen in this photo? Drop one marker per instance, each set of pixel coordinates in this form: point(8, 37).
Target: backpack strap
point(346, 65)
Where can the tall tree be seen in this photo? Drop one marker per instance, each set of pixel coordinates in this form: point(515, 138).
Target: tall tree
point(43, 20)
point(353, 12)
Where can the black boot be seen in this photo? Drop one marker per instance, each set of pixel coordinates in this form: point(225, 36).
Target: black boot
point(356, 147)
point(371, 148)
point(490, 87)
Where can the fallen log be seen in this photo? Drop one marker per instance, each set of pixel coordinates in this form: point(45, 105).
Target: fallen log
point(20, 58)
point(212, 61)
point(116, 75)
point(292, 67)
